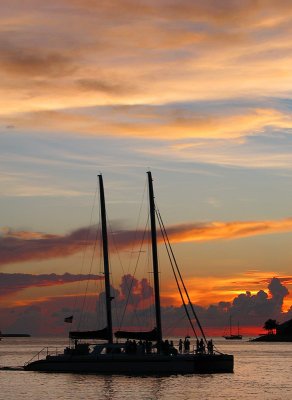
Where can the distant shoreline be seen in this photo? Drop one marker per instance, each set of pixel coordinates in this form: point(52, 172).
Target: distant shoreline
point(272, 338)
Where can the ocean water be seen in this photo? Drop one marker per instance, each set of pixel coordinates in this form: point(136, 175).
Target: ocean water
point(262, 371)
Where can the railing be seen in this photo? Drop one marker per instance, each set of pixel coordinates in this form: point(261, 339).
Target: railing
point(45, 351)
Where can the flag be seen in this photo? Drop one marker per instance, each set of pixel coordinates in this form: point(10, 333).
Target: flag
point(69, 319)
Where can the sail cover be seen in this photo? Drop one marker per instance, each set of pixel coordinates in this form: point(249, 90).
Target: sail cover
point(148, 335)
point(100, 334)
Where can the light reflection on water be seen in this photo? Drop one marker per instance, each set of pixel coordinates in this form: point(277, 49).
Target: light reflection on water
point(262, 371)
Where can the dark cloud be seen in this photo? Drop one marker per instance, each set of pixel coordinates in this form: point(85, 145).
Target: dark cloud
point(278, 291)
point(246, 308)
point(135, 291)
point(10, 283)
point(251, 309)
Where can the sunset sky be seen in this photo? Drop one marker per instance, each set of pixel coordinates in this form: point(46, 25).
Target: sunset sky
point(197, 91)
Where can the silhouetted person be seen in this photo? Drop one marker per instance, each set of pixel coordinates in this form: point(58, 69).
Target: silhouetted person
point(186, 345)
point(202, 346)
point(198, 346)
point(180, 345)
point(210, 346)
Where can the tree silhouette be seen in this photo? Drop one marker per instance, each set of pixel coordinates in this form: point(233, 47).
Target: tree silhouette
point(270, 325)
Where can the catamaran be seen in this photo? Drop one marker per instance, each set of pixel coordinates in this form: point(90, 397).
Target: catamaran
point(155, 355)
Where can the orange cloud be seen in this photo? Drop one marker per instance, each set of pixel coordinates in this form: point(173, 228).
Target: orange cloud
point(226, 230)
point(23, 246)
point(154, 123)
point(166, 53)
point(213, 289)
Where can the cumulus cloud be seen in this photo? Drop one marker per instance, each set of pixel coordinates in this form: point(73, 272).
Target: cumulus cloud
point(247, 308)
point(257, 308)
point(47, 318)
point(278, 292)
point(135, 291)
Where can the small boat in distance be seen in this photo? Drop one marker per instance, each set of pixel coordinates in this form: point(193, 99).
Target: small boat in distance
point(152, 354)
point(231, 335)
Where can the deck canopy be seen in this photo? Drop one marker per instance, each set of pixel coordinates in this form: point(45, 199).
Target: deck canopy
point(102, 334)
point(142, 335)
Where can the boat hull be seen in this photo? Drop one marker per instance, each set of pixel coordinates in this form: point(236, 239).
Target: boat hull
point(137, 365)
point(233, 337)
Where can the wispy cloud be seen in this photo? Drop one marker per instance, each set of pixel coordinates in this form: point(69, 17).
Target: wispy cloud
point(12, 283)
point(20, 246)
point(227, 230)
point(175, 123)
point(151, 53)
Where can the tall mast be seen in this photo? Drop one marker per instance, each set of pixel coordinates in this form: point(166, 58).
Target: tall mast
point(108, 296)
point(155, 259)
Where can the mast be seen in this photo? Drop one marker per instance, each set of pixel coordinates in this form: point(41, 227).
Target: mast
point(108, 296)
point(155, 259)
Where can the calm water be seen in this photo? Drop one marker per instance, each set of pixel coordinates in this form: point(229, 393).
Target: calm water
point(262, 371)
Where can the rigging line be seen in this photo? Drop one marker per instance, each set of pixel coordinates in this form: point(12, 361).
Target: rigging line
point(150, 305)
point(101, 308)
point(133, 244)
point(118, 255)
point(87, 283)
point(96, 284)
point(115, 244)
point(174, 324)
point(175, 275)
point(132, 280)
point(138, 222)
point(86, 245)
point(112, 290)
point(182, 281)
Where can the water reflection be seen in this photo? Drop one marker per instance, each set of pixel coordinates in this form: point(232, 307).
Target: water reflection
point(108, 388)
point(262, 371)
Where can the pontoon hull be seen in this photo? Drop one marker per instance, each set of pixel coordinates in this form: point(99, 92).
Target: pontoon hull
point(136, 365)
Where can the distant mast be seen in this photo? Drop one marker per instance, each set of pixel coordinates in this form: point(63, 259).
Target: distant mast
point(108, 296)
point(155, 259)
